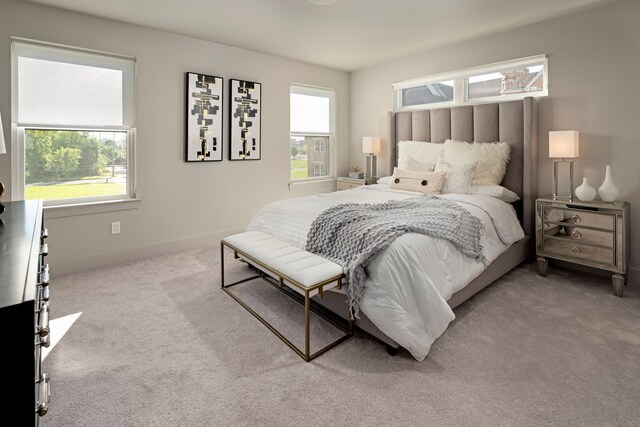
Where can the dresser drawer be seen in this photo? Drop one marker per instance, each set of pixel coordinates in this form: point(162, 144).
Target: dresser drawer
point(569, 250)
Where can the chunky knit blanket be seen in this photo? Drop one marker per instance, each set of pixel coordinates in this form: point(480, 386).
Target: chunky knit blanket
point(351, 234)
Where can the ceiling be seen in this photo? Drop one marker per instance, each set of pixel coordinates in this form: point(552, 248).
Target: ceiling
point(348, 35)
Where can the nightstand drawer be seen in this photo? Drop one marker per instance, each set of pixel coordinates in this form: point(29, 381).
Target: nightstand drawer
point(572, 250)
point(347, 185)
point(601, 220)
point(584, 236)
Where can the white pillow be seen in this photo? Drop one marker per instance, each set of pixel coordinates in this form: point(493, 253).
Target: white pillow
point(458, 178)
point(492, 157)
point(422, 182)
point(418, 156)
point(497, 191)
point(384, 180)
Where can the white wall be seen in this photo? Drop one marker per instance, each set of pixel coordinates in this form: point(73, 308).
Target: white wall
point(183, 204)
point(594, 63)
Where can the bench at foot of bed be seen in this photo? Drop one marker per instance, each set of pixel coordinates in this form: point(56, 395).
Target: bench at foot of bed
point(283, 265)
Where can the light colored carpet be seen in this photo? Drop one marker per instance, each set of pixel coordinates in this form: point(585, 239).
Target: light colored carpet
point(160, 344)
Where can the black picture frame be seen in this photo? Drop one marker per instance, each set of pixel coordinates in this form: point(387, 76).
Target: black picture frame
point(245, 120)
point(203, 117)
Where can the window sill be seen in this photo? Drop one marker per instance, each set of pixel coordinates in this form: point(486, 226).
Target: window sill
point(90, 208)
point(328, 184)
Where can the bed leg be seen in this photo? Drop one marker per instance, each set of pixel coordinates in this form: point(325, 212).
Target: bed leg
point(392, 351)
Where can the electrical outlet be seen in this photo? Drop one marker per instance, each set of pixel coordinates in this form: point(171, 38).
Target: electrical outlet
point(115, 227)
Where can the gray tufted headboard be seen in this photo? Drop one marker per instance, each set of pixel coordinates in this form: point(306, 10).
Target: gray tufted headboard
point(514, 122)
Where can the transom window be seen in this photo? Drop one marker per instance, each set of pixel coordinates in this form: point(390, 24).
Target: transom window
point(489, 83)
point(74, 115)
point(312, 133)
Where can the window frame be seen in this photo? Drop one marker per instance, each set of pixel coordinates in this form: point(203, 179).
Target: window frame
point(329, 93)
point(461, 84)
point(18, 131)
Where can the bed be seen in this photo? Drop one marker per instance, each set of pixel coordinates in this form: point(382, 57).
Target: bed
point(409, 303)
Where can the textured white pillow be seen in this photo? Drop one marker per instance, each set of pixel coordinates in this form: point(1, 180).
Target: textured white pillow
point(492, 157)
point(458, 178)
point(418, 156)
point(497, 191)
point(384, 180)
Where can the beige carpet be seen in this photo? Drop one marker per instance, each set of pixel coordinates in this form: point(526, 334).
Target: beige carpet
point(159, 344)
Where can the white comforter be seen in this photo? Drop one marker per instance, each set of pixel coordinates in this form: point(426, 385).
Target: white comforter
point(408, 284)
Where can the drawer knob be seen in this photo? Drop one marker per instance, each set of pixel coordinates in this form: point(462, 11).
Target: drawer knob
point(576, 234)
point(576, 219)
point(576, 250)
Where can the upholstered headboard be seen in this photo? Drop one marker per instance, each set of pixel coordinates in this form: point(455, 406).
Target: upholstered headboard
point(514, 122)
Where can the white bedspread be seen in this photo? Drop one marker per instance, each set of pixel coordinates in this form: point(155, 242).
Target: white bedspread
point(408, 284)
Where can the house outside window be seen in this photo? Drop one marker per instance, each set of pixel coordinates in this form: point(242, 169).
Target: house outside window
point(74, 115)
point(312, 133)
point(503, 81)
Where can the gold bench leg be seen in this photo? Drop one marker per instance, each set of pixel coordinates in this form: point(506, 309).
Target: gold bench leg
point(307, 339)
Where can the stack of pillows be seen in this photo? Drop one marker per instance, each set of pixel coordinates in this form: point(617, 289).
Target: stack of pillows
point(453, 167)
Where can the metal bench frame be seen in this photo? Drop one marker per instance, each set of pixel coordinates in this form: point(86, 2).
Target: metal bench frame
point(280, 285)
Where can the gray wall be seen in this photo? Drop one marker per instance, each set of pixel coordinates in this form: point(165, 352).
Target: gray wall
point(594, 63)
point(183, 204)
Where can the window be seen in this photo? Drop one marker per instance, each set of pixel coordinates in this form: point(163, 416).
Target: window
point(494, 82)
point(312, 129)
point(74, 115)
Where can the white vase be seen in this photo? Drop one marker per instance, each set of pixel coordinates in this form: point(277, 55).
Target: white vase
point(608, 190)
point(585, 192)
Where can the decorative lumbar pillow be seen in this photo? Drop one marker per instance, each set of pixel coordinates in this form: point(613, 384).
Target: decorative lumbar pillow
point(459, 177)
point(422, 182)
point(492, 157)
point(497, 191)
point(418, 156)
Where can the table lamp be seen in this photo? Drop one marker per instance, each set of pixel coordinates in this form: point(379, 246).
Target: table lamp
point(563, 144)
point(371, 147)
point(3, 150)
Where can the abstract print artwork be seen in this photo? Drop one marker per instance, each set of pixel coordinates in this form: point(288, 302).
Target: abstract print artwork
point(245, 120)
point(204, 118)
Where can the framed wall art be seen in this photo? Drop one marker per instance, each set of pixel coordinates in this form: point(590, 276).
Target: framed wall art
point(244, 119)
point(204, 118)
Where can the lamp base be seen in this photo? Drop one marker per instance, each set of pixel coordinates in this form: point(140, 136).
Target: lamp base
point(372, 165)
point(557, 194)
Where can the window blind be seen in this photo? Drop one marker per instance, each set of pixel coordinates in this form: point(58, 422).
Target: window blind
point(66, 87)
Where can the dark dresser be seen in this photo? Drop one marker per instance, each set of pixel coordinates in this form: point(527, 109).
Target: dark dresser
point(24, 312)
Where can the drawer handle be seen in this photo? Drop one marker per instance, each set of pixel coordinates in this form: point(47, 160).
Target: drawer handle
point(44, 395)
point(44, 250)
point(44, 276)
point(43, 323)
point(45, 294)
point(576, 250)
point(576, 219)
point(576, 234)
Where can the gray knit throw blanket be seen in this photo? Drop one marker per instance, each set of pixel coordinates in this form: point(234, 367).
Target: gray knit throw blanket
point(351, 234)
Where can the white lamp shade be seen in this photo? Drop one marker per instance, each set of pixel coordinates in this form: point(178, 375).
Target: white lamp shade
point(564, 144)
point(371, 144)
point(3, 148)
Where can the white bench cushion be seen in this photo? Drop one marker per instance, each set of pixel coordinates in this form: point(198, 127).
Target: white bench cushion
point(304, 267)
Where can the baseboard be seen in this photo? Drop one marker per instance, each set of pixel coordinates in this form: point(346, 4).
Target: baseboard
point(76, 265)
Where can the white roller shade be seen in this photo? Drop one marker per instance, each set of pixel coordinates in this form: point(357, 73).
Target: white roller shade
point(66, 87)
point(310, 110)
